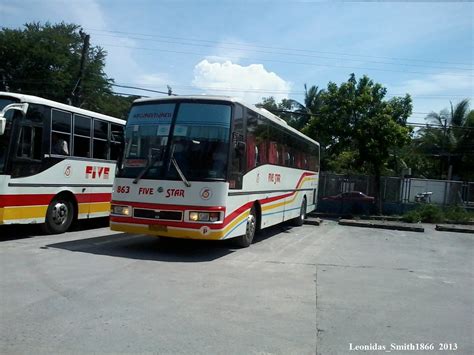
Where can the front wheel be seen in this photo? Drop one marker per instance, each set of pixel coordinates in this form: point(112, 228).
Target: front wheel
point(59, 216)
point(298, 221)
point(245, 240)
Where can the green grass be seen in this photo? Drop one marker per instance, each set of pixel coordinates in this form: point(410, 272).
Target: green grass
point(434, 214)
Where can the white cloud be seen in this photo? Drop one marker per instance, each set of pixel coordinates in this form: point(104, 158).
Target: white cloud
point(443, 83)
point(251, 82)
point(153, 80)
point(434, 92)
point(230, 49)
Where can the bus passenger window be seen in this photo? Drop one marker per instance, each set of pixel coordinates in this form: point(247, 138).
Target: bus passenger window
point(101, 134)
point(60, 132)
point(116, 141)
point(82, 133)
point(30, 143)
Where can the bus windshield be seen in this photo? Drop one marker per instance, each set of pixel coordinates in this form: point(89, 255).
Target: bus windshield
point(194, 135)
point(5, 138)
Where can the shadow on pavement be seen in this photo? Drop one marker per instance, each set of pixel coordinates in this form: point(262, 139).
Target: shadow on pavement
point(160, 249)
point(23, 231)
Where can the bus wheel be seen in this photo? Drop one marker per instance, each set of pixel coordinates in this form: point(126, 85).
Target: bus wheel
point(298, 221)
point(245, 240)
point(59, 215)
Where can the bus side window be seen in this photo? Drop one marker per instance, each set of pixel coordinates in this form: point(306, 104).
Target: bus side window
point(60, 132)
point(237, 150)
point(101, 134)
point(82, 136)
point(29, 146)
point(116, 141)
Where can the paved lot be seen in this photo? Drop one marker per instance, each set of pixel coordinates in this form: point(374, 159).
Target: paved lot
point(300, 290)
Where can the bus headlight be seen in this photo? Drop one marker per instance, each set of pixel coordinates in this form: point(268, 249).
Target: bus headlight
point(197, 216)
point(121, 210)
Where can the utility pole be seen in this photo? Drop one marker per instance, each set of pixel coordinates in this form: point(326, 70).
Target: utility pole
point(170, 90)
point(77, 91)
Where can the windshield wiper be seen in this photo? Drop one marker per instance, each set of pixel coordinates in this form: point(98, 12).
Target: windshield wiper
point(180, 173)
point(147, 168)
point(176, 166)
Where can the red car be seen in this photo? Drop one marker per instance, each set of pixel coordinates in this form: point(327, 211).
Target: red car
point(352, 196)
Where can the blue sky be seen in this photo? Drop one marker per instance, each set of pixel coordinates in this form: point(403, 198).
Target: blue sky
point(253, 49)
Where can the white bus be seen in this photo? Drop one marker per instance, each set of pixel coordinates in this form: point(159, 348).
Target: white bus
point(57, 162)
point(211, 168)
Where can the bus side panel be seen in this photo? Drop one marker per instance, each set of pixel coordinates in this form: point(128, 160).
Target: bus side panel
point(25, 200)
point(278, 190)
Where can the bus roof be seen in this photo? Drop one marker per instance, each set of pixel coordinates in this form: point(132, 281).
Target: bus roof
point(228, 99)
point(40, 101)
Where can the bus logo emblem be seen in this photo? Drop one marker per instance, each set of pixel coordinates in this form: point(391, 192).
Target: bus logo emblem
point(205, 230)
point(160, 190)
point(206, 193)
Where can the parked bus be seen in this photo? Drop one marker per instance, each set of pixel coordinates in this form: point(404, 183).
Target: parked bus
point(57, 162)
point(211, 168)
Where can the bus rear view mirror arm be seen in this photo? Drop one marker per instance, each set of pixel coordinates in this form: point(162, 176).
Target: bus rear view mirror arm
point(3, 121)
point(240, 148)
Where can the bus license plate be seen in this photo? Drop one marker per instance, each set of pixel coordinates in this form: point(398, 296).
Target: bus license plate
point(158, 228)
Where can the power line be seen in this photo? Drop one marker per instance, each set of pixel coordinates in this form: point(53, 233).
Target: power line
point(144, 87)
point(279, 48)
point(286, 62)
point(287, 54)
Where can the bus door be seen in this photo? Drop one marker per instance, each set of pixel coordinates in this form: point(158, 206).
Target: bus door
point(28, 149)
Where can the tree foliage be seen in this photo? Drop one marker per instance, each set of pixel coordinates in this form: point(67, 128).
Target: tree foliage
point(448, 139)
point(357, 128)
point(44, 60)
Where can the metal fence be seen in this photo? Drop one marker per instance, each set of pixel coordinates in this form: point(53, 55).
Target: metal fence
point(399, 191)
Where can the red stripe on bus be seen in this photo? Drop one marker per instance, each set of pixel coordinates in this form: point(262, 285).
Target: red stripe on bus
point(177, 224)
point(91, 198)
point(45, 199)
point(228, 219)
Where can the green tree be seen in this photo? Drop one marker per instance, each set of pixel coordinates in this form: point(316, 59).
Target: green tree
point(297, 115)
point(449, 139)
point(285, 109)
point(359, 123)
point(44, 60)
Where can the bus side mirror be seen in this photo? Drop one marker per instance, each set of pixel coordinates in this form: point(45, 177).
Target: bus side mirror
point(3, 121)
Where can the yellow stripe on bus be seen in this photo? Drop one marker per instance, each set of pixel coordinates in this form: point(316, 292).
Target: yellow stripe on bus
point(279, 204)
point(22, 212)
point(31, 212)
point(85, 208)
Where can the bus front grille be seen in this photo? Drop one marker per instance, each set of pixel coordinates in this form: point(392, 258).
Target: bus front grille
point(161, 215)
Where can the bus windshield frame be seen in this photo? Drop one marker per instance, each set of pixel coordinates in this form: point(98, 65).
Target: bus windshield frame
point(6, 136)
point(177, 140)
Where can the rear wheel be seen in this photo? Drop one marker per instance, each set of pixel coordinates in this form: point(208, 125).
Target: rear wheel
point(298, 221)
point(59, 215)
point(245, 240)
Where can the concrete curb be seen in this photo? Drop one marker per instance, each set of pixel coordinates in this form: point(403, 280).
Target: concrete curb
point(312, 221)
point(381, 225)
point(454, 228)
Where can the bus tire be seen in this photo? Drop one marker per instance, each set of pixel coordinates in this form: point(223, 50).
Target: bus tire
point(245, 240)
point(298, 221)
point(59, 215)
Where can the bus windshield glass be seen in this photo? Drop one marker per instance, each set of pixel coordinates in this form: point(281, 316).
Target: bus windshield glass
point(196, 137)
point(5, 138)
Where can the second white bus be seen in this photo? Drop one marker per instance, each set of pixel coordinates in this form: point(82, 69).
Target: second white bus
point(211, 168)
point(57, 162)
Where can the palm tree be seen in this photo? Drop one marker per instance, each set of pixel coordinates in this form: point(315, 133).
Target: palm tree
point(449, 136)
